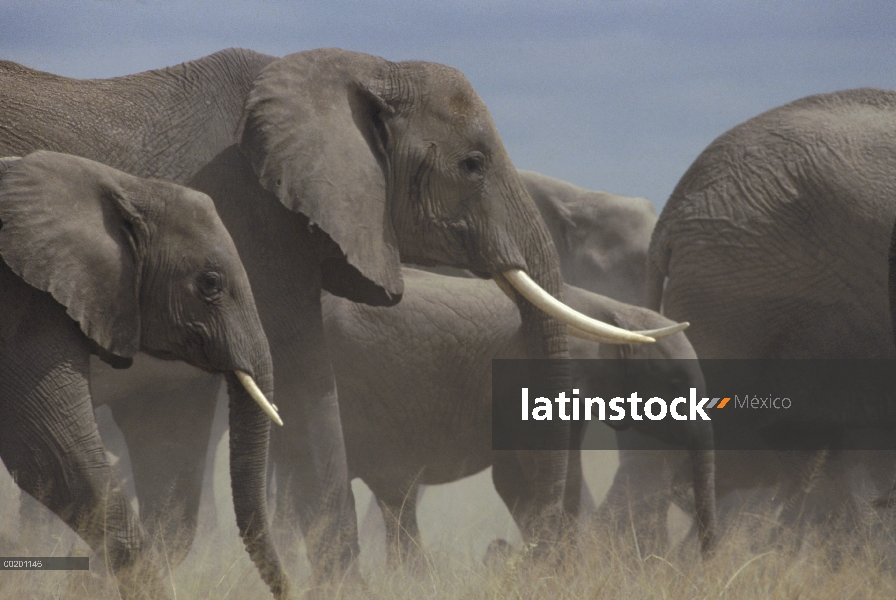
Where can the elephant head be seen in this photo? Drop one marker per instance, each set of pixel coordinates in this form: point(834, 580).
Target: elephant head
point(395, 162)
point(147, 265)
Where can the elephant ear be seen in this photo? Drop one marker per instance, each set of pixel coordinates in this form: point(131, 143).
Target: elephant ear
point(310, 133)
point(6, 162)
point(69, 226)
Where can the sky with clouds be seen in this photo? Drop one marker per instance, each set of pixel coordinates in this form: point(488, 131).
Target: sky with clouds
point(618, 95)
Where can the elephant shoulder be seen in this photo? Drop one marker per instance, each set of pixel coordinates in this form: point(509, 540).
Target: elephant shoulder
point(15, 298)
point(226, 64)
point(13, 72)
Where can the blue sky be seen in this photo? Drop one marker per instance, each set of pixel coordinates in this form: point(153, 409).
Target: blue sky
point(617, 95)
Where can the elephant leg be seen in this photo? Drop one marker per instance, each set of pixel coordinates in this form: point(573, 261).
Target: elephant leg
point(826, 504)
point(167, 434)
point(578, 503)
point(208, 510)
point(50, 443)
point(516, 475)
point(575, 479)
point(372, 530)
point(637, 504)
point(398, 504)
point(802, 474)
point(309, 458)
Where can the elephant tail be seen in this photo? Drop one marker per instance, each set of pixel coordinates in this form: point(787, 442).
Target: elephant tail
point(656, 279)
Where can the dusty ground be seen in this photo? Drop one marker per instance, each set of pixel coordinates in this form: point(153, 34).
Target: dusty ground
point(458, 521)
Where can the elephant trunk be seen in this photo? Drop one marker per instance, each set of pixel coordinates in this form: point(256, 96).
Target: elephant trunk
point(703, 464)
point(546, 338)
point(249, 437)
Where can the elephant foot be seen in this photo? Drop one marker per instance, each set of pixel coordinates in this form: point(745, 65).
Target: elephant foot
point(325, 585)
point(498, 554)
point(141, 581)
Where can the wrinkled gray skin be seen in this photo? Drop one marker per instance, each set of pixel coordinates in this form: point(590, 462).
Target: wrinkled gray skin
point(415, 389)
point(774, 245)
point(601, 238)
point(88, 269)
point(328, 167)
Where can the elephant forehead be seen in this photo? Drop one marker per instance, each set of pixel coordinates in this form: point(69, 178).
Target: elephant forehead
point(191, 214)
point(451, 93)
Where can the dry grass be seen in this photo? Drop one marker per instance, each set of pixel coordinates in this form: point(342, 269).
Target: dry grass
point(600, 568)
point(860, 564)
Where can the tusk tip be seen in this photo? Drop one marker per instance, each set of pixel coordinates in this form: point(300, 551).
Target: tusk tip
point(666, 331)
point(255, 392)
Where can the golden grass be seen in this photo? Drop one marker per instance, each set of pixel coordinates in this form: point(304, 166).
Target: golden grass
point(859, 564)
point(601, 566)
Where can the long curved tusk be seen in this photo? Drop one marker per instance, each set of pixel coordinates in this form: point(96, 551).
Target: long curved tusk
point(257, 395)
point(654, 333)
point(508, 290)
point(540, 298)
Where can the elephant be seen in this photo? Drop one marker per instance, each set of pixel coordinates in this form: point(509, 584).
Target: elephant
point(415, 389)
point(601, 238)
point(773, 245)
point(328, 168)
point(88, 268)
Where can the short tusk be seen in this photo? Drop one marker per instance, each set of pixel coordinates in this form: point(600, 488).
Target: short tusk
point(540, 298)
point(505, 287)
point(654, 333)
point(268, 408)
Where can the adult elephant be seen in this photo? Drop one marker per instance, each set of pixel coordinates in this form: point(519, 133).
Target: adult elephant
point(87, 269)
point(774, 242)
point(601, 238)
point(415, 389)
point(328, 167)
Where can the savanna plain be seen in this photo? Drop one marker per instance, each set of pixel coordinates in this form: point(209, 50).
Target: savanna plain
point(458, 522)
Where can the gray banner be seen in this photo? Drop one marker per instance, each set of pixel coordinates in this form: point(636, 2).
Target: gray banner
point(44, 563)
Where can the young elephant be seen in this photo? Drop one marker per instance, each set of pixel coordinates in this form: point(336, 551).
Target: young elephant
point(415, 391)
point(96, 261)
point(601, 238)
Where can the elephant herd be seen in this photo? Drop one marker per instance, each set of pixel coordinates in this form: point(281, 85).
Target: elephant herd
point(251, 216)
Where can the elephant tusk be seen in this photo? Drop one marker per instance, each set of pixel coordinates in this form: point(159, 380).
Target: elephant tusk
point(590, 337)
point(654, 333)
point(257, 395)
point(540, 298)
point(505, 286)
point(665, 331)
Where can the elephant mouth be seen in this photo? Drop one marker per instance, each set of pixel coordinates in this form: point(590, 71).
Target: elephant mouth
point(581, 326)
point(244, 378)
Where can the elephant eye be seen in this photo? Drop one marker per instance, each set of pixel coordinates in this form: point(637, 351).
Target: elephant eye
point(210, 285)
point(473, 163)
